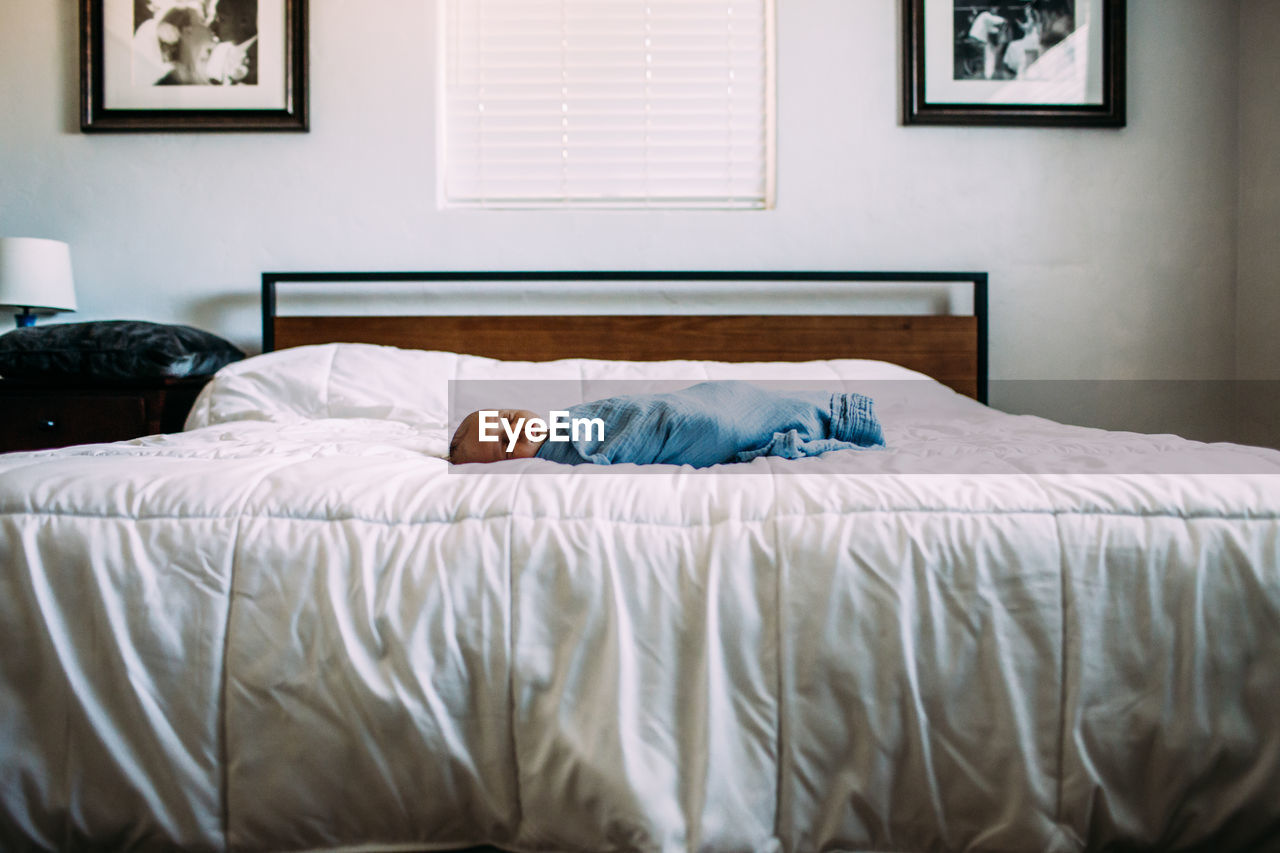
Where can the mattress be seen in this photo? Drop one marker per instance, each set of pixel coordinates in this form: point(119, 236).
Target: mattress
point(295, 627)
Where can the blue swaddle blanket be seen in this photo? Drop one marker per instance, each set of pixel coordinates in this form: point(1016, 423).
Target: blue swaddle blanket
point(715, 422)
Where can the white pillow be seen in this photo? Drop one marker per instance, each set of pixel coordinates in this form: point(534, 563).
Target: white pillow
point(412, 386)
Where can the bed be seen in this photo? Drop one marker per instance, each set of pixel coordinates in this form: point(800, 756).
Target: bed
point(294, 627)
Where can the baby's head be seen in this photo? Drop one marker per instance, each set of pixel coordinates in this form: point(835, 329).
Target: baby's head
point(186, 42)
point(466, 445)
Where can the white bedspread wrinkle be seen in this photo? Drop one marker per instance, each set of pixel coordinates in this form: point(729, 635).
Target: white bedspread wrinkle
point(309, 633)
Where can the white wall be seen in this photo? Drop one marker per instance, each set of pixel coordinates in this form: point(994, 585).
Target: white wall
point(1112, 253)
point(1258, 344)
point(1258, 289)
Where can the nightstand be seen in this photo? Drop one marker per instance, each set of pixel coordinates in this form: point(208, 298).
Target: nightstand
point(40, 414)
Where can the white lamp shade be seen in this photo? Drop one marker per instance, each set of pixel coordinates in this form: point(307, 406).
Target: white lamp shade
point(36, 273)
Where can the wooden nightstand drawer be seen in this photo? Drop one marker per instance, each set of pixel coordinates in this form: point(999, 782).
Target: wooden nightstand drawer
point(36, 422)
point(40, 415)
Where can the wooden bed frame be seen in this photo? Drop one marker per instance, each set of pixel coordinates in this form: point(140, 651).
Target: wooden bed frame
point(950, 348)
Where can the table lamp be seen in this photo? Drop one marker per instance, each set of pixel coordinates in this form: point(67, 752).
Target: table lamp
point(35, 275)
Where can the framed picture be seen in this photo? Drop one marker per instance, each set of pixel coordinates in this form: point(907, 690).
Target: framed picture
point(1014, 62)
point(148, 65)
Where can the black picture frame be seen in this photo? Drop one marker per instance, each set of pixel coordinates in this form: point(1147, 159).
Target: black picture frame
point(98, 114)
point(918, 109)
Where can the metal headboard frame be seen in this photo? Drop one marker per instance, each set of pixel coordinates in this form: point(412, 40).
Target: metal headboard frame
point(272, 280)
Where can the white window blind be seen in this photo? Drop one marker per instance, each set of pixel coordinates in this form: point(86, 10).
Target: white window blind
point(602, 103)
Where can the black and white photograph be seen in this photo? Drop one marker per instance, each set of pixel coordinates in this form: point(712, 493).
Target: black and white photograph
point(1014, 41)
point(195, 42)
point(193, 65)
point(1014, 62)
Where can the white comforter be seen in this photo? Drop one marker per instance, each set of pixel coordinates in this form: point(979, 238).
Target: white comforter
point(300, 632)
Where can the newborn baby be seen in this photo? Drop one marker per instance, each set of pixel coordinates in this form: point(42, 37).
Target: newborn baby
point(706, 424)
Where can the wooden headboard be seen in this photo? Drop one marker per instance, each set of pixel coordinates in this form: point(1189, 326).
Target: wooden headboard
point(951, 348)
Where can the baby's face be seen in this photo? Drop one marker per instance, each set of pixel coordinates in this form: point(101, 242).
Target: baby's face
point(467, 446)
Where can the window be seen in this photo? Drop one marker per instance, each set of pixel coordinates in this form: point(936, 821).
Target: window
point(608, 103)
